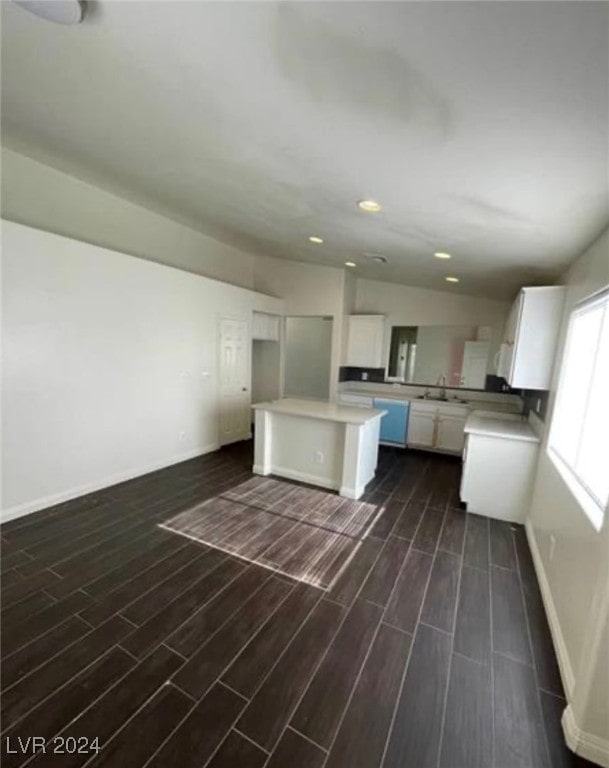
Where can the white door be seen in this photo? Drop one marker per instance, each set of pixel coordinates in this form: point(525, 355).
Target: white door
point(450, 434)
point(475, 362)
point(234, 377)
point(421, 429)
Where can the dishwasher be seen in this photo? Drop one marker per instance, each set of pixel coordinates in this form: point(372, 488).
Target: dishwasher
point(394, 424)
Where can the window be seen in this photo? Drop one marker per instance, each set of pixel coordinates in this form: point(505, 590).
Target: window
point(579, 436)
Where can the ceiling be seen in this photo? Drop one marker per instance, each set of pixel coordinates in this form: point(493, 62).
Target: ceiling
point(481, 127)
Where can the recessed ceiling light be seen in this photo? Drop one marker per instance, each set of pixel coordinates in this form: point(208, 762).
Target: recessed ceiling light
point(441, 255)
point(377, 258)
point(315, 239)
point(350, 264)
point(452, 279)
point(370, 206)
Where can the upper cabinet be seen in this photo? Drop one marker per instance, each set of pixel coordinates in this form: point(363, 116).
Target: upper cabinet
point(265, 327)
point(365, 341)
point(526, 356)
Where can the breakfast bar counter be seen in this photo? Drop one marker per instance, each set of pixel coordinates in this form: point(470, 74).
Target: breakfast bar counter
point(322, 443)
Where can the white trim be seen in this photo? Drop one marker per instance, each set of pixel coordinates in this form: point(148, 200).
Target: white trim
point(352, 493)
point(594, 506)
point(586, 745)
point(239, 439)
point(564, 663)
point(583, 496)
point(27, 508)
point(303, 477)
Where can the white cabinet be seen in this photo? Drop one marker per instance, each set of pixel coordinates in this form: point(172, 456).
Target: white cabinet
point(437, 426)
point(499, 467)
point(365, 341)
point(526, 356)
point(265, 327)
point(421, 429)
point(449, 433)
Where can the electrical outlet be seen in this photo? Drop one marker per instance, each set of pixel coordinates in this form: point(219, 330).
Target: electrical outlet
point(552, 546)
point(538, 405)
point(319, 457)
point(365, 376)
point(182, 435)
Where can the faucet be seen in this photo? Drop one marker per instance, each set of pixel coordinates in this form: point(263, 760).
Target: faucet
point(441, 382)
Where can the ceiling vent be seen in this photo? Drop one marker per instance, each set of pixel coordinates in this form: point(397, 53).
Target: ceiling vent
point(376, 258)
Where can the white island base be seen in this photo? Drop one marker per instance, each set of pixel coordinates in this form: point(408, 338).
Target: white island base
point(325, 444)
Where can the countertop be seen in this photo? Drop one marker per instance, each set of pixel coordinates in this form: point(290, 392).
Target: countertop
point(503, 425)
point(319, 409)
point(472, 404)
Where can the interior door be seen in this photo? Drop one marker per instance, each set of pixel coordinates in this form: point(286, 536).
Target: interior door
point(234, 377)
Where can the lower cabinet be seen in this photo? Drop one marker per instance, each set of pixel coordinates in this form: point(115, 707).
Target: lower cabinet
point(421, 429)
point(487, 461)
point(430, 425)
point(449, 433)
point(437, 427)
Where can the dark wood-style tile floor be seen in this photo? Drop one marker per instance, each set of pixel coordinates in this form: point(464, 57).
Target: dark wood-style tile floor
point(432, 649)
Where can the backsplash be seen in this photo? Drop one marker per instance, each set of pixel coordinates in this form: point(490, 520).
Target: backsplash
point(498, 384)
point(535, 400)
point(348, 373)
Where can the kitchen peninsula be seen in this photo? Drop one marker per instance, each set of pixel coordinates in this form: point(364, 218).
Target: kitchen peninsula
point(325, 444)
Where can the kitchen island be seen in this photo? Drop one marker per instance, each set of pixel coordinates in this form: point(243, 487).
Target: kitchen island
point(325, 444)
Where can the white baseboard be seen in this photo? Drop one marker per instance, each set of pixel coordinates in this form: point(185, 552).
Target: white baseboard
point(564, 663)
point(587, 745)
point(352, 493)
point(27, 508)
point(244, 436)
point(304, 477)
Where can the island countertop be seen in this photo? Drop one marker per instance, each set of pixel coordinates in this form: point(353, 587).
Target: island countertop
point(319, 409)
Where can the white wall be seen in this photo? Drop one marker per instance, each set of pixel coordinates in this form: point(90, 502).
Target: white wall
point(575, 575)
point(266, 371)
point(308, 354)
point(349, 298)
point(407, 305)
point(307, 289)
point(109, 365)
point(45, 198)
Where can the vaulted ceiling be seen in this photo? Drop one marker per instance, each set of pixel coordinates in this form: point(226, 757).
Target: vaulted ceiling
point(481, 127)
